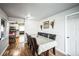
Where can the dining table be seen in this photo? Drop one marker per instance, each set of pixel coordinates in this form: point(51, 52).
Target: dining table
point(45, 44)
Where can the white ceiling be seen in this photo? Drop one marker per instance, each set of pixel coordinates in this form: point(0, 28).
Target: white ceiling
point(37, 10)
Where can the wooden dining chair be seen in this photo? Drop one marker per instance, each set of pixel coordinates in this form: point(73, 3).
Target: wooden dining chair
point(30, 42)
point(27, 39)
point(34, 46)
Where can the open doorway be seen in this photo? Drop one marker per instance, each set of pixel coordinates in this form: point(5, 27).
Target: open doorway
point(21, 33)
point(16, 32)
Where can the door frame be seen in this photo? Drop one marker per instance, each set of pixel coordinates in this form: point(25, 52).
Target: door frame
point(66, 30)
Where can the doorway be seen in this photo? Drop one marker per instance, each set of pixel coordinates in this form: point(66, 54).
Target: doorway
point(72, 34)
point(21, 33)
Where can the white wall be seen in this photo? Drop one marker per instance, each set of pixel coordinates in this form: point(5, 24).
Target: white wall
point(2, 14)
point(31, 26)
point(59, 27)
point(3, 43)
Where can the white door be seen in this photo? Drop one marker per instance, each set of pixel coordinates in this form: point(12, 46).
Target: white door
point(73, 35)
point(77, 35)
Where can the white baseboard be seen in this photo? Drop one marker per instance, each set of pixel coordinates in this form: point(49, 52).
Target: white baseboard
point(4, 50)
point(61, 51)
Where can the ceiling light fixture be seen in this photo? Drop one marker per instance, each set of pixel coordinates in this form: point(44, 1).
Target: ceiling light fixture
point(29, 16)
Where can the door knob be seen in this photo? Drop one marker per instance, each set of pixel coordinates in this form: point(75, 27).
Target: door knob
point(68, 37)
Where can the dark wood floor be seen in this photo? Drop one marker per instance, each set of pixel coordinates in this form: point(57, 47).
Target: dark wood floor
point(21, 49)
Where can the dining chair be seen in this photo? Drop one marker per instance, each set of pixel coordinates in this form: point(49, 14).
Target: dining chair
point(34, 46)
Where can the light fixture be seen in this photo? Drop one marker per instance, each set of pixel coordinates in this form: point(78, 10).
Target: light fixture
point(29, 16)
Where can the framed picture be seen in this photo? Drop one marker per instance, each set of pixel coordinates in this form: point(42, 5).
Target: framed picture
point(52, 24)
point(41, 27)
point(46, 24)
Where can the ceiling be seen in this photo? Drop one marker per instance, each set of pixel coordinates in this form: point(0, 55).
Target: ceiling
point(37, 10)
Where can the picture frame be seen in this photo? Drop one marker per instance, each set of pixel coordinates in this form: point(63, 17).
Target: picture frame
point(52, 24)
point(46, 25)
point(41, 27)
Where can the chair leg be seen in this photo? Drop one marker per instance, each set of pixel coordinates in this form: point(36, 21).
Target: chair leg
point(33, 52)
point(54, 51)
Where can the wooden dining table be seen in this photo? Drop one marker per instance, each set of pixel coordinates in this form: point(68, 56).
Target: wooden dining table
point(45, 44)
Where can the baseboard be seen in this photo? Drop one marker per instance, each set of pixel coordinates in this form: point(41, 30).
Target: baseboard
point(61, 51)
point(4, 50)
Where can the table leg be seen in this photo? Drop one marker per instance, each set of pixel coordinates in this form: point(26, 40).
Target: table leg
point(46, 53)
point(54, 51)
